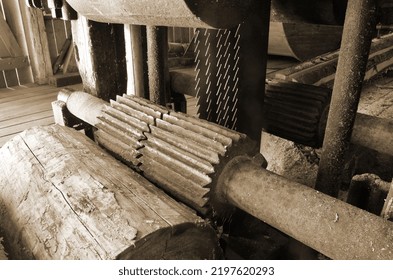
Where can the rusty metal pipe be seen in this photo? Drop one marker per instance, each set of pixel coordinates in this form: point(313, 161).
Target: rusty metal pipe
point(328, 225)
point(357, 34)
point(186, 13)
point(157, 64)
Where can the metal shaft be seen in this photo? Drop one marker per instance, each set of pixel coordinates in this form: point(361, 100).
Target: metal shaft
point(358, 28)
point(328, 225)
point(157, 55)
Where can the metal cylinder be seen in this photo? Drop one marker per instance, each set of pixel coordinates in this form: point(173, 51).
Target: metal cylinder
point(157, 56)
point(328, 225)
point(186, 13)
point(358, 28)
point(83, 105)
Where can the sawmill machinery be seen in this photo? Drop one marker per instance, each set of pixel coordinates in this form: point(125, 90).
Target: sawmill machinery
point(214, 165)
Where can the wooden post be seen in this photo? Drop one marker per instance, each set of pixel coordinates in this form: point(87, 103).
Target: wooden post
point(136, 54)
point(100, 54)
point(37, 43)
point(14, 19)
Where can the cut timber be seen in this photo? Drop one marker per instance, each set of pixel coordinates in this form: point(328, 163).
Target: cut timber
point(320, 71)
point(62, 197)
point(303, 40)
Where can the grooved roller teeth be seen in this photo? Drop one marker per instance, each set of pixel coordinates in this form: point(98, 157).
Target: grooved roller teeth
point(296, 112)
point(177, 152)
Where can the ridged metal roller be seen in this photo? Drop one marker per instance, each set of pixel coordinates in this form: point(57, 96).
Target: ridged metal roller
point(180, 153)
point(297, 112)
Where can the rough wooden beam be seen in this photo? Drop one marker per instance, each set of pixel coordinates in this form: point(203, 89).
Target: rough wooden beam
point(11, 63)
point(101, 58)
point(37, 42)
point(8, 38)
point(62, 197)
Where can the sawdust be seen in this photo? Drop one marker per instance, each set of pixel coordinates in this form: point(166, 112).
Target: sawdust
point(287, 159)
point(3, 254)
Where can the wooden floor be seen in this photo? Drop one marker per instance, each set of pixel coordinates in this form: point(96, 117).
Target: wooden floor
point(25, 106)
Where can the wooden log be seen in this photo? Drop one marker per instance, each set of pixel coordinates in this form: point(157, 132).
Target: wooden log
point(303, 40)
point(320, 71)
point(62, 197)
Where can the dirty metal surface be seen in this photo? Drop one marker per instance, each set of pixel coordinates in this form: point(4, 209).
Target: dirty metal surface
point(359, 27)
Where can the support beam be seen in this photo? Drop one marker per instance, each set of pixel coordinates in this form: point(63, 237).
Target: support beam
point(100, 54)
point(37, 43)
point(359, 26)
point(157, 59)
point(136, 55)
point(253, 60)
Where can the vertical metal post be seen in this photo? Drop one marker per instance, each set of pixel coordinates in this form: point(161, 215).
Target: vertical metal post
point(355, 46)
point(253, 60)
point(157, 56)
point(136, 54)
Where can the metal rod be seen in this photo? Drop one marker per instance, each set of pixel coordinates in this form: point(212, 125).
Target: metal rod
point(328, 225)
point(83, 105)
point(136, 53)
point(157, 56)
point(358, 29)
point(253, 61)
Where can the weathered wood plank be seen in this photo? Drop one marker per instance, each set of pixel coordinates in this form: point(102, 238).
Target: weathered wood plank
point(17, 128)
point(11, 78)
point(13, 15)
point(8, 39)
point(13, 62)
point(64, 198)
point(39, 105)
point(37, 43)
point(26, 119)
point(32, 100)
point(52, 46)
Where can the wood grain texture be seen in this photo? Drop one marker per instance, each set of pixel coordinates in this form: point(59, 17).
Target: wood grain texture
point(22, 107)
point(62, 197)
point(301, 40)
